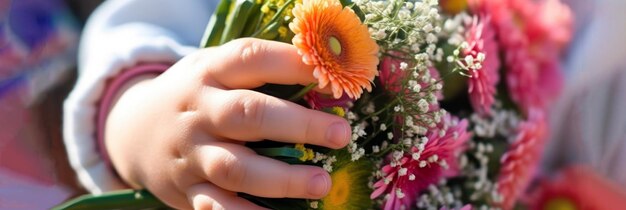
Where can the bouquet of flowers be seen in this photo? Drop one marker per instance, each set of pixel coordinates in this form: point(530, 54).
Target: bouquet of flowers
point(454, 115)
point(454, 112)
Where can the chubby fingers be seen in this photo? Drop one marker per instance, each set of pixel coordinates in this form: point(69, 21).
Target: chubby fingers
point(249, 116)
point(237, 168)
point(249, 63)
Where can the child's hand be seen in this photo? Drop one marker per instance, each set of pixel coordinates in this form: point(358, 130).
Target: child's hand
point(181, 135)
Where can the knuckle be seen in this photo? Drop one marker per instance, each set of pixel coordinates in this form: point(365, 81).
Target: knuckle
point(254, 112)
point(200, 60)
point(235, 171)
point(247, 49)
point(226, 110)
point(250, 108)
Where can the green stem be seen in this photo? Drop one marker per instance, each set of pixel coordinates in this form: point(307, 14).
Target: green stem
point(289, 152)
point(302, 92)
point(385, 151)
point(378, 131)
point(258, 33)
point(389, 105)
point(216, 25)
point(236, 21)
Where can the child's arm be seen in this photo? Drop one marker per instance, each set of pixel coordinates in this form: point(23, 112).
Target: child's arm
point(122, 34)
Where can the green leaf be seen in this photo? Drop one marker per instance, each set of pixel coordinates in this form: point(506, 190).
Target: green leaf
point(123, 199)
point(236, 20)
point(254, 20)
point(215, 28)
point(289, 152)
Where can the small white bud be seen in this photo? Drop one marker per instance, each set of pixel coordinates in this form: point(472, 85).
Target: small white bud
point(415, 156)
point(399, 194)
point(402, 171)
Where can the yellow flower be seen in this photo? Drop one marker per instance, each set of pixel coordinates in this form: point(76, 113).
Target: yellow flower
point(307, 153)
point(333, 39)
point(350, 184)
point(268, 11)
point(339, 111)
point(265, 9)
point(283, 32)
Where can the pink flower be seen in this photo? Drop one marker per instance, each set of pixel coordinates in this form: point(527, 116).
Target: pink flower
point(534, 78)
point(576, 187)
point(553, 24)
point(480, 36)
point(533, 83)
point(320, 101)
point(519, 163)
point(414, 171)
point(393, 72)
point(531, 35)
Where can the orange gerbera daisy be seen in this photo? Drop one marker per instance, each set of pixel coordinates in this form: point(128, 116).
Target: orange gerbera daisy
point(333, 39)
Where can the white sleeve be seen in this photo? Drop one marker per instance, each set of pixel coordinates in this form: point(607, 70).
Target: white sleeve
point(121, 34)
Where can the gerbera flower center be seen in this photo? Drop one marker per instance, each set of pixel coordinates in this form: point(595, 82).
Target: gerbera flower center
point(350, 179)
point(340, 190)
point(335, 45)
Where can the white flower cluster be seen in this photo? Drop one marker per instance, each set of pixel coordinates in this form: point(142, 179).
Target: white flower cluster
point(439, 196)
point(409, 32)
point(454, 28)
point(327, 161)
point(358, 131)
point(407, 26)
point(501, 122)
point(478, 179)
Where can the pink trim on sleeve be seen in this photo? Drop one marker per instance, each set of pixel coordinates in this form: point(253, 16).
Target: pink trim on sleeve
point(111, 91)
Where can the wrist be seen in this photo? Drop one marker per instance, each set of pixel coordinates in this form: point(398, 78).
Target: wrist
point(130, 80)
point(122, 156)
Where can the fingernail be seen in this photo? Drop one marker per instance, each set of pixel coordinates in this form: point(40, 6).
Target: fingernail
point(319, 185)
point(338, 134)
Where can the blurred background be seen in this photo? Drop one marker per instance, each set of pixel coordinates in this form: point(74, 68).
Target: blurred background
point(39, 39)
point(38, 43)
